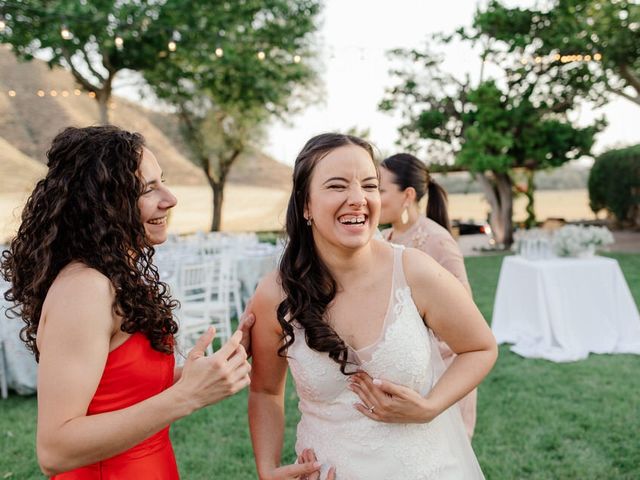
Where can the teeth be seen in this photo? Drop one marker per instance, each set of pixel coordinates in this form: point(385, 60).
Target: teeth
point(352, 220)
point(157, 221)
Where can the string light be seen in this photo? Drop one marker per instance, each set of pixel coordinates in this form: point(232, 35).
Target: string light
point(41, 93)
point(3, 25)
point(65, 93)
point(261, 55)
point(77, 92)
point(12, 93)
point(53, 93)
point(296, 59)
point(65, 33)
point(92, 94)
point(119, 42)
point(597, 57)
point(219, 52)
point(172, 46)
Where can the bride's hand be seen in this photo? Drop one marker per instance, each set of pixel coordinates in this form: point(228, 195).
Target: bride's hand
point(387, 402)
point(307, 468)
point(308, 455)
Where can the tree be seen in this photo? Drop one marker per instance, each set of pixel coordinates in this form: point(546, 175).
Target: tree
point(95, 40)
point(491, 129)
point(245, 63)
point(593, 44)
point(614, 184)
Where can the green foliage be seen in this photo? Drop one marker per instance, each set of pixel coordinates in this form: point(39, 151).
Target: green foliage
point(245, 63)
point(591, 45)
point(614, 184)
point(85, 37)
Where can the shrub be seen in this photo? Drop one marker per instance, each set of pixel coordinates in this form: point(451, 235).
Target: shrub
point(614, 184)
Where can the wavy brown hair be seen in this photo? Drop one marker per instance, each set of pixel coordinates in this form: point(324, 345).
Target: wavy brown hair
point(86, 210)
point(307, 282)
point(409, 171)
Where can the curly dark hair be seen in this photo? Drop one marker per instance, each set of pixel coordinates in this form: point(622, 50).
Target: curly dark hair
point(307, 282)
point(86, 210)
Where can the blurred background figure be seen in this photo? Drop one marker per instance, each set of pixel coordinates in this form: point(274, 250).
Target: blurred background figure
point(404, 181)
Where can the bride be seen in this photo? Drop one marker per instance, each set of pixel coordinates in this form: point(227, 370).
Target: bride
point(354, 318)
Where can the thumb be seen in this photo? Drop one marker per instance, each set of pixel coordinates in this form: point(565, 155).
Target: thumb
point(203, 343)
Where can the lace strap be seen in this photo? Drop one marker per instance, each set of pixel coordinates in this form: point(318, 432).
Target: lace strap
point(399, 280)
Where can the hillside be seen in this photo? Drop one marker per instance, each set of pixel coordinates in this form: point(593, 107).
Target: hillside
point(28, 122)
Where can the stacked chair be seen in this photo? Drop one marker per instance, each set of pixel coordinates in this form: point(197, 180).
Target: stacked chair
point(203, 292)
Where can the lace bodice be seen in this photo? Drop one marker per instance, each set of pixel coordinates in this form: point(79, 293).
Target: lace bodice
point(361, 448)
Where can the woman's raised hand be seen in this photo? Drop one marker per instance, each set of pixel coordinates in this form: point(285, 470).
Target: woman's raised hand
point(387, 402)
point(207, 380)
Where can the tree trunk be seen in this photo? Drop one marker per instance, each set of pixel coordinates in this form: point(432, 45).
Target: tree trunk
point(498, 189)
point(218, 198)
point(102, 97)
point(531, 221)
point(104, 110)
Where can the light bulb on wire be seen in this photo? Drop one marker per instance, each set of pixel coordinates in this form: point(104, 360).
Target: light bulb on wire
point(65, 33)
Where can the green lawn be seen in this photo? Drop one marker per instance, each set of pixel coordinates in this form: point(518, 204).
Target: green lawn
point(536, 419)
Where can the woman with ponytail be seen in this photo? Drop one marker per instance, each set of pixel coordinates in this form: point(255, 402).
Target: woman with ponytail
point(355, 318)
point(404, 181)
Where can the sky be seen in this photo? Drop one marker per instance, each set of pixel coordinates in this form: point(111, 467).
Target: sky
point(355, 34)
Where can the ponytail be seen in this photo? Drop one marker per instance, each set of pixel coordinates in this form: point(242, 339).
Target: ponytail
point(437, 205)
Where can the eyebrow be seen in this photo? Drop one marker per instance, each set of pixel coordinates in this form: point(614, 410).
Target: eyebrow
point(345, 180)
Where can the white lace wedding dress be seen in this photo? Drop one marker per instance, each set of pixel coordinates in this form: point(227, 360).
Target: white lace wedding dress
point(360, 448)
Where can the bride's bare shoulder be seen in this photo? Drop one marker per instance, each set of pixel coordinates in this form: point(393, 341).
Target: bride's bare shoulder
point(269, 291)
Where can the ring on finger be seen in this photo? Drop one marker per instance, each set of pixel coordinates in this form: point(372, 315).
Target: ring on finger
point(371, 408)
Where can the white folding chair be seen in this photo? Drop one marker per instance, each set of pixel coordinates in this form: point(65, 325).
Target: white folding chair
point(202, 291)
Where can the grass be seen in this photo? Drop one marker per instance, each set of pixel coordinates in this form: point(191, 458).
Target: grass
point(536, 419)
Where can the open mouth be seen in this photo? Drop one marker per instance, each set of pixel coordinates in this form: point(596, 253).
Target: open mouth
point(158, 221)
point(353, 219)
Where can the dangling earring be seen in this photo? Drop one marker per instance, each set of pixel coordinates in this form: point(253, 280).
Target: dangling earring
point(309, 222)
point(404, 218)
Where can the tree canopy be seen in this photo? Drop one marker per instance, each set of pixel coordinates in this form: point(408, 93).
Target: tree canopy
point(225, 86)
point(93, 39)
point(593, 45)
point(491, 128)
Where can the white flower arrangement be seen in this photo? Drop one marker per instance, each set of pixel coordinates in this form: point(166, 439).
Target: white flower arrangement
point(580, 241)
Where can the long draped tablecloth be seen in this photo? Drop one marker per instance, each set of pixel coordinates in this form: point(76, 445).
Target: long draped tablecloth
point(562, 309)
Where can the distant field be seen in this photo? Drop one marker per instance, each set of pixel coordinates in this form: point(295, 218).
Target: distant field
point(257, 208)
point(567, 204)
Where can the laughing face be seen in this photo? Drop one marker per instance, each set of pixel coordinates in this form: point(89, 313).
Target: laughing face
point(344, 200)
point(156, 199)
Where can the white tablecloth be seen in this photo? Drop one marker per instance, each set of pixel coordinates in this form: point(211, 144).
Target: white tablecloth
point(20, 364)
point(562, 309)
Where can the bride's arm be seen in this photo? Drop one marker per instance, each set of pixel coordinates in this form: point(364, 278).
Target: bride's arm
point(453, 316)
point(266, 395)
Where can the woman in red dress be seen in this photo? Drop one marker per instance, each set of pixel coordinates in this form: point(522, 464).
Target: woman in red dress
point(99, 320)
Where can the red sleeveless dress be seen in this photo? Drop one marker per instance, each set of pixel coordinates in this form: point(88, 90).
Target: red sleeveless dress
point(134, 372)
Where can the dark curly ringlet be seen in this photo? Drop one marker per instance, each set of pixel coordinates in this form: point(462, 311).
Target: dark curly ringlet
point(86, 210)
point(308, 284)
